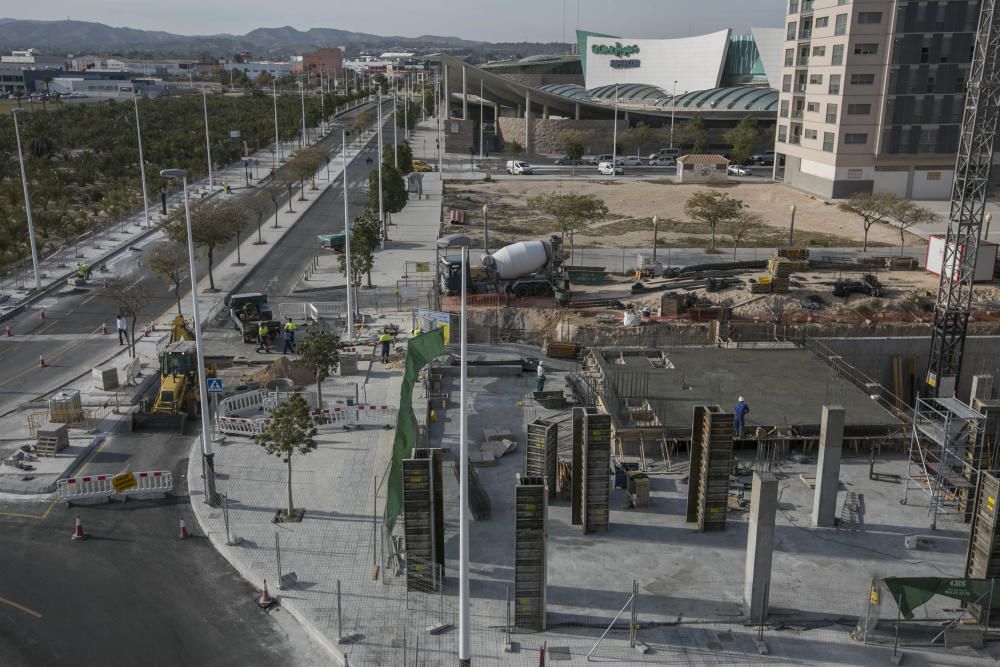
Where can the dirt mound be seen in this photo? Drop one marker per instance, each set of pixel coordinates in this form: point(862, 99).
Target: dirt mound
point(283, 367)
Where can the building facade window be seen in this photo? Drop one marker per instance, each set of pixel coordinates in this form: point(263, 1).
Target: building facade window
point(822, 21)
point(837, 55)
point(831, 113)
point(866, 49)
point(819, 51)
point(869, 18)
point(834, 88)
point(782, 133)
point(789, 56)
point(786, 83)
point(790, 32)
point(839, 26)
point(828, 141)
point(855, 138)
point(842, 2)
point(816, 79)
point(928, 141)
point(862, 79)
point(793, 6)
point(783, 109)
point(812, 107)
point(859, 109)
point(810, 134)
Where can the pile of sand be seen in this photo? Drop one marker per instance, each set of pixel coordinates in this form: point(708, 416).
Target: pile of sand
point(283, 367)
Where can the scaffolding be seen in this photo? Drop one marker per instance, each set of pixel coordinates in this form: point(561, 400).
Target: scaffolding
point(946, 453)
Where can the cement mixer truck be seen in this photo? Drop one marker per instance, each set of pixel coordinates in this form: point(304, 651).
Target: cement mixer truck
point(526, 268)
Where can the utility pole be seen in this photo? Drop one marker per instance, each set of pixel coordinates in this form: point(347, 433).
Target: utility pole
point(208, 144)
point(381, 207)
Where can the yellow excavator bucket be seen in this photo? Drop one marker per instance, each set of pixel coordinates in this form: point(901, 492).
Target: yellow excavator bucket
point(179, 330)
point(171, 396)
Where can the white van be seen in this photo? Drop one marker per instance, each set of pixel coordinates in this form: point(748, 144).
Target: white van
point(606, 169)
point(518, 167)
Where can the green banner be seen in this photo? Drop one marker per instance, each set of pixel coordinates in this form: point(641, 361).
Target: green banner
point(911, 592)
point(419, 351)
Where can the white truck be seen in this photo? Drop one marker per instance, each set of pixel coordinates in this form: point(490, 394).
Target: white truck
point(525, 268)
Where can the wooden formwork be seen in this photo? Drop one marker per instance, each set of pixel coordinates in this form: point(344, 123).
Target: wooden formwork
point(530, 561)
point(983, 557)
point(423, 524)
point(596, 472)
point(540, 452)
point(711, 456)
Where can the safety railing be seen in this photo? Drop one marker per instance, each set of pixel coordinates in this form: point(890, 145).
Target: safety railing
point(353, 416)
point(247, 400)
point(102, 486)
point(296, 311)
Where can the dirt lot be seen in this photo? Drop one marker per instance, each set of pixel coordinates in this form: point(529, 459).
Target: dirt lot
point(633, 204)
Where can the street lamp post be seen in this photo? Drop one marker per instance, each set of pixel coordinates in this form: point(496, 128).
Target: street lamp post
point(304, 139)
point(395, 130)
point(381, 206)
point(673, 105)
point(142, 162)
point(347, 228)
point(27, 202)
point(208, 464)
point(486, 228)
point(481, 105)
point(277, 141)
point(614, 139)
point(791, 227)
point(208, 144)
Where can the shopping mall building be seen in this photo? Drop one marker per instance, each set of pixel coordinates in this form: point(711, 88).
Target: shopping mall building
point(721, 77)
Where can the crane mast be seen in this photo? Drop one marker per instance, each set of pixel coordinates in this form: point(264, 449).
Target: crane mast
point(968, 207)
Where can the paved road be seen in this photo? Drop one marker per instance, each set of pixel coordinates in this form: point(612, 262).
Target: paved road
point(82, 311)
point(133, 593)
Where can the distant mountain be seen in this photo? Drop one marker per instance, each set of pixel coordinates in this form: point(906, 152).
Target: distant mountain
point(58, 38)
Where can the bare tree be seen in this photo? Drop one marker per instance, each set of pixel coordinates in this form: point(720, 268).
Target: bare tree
point(906, 214)
point(745, 223)
point(259, 205)
point(130, 296)
point(168, 261)
point(871, 207)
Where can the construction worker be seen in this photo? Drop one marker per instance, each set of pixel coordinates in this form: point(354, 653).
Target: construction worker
point(386, 340)
point(540, 386)
point(289, 337)
point(740, 413)
point(262, 335)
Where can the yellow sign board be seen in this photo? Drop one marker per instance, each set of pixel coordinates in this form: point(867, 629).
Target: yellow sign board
point(123, 482)
point(421, 267)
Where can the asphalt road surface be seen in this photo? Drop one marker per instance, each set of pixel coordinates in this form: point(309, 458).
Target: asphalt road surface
point(80, 313)
point(133, 593)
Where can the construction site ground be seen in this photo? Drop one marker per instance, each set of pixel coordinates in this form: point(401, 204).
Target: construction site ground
point(632, 204)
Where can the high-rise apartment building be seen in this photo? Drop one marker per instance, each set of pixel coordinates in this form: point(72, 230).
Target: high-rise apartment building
point(872, 95)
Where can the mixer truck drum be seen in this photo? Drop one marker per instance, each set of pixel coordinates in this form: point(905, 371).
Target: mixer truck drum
point(488, 261)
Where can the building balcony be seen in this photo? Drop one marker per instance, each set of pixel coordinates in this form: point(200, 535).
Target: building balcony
point(794, 140)
point(807, 8)
point(796, 115)
point(802, 62)
point(805, 35)
point(799, 89)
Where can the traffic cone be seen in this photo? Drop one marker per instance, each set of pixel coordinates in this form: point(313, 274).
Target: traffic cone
point(43, 312)
point(6, 330)
point(145, 331)
point(265, 599)
point(78, 533)
point(104, 328)
point(184, 534)
point(105, 283)
point(41, 361)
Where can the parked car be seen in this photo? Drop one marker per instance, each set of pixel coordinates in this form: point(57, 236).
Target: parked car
point(605, 168)
point(519, 167)
point(665, 152)
point(568, 161)
point(630, 161)
point(765, 159)
point(606, 157)
point(420, 165)
point(740, 170)
point(665, 161)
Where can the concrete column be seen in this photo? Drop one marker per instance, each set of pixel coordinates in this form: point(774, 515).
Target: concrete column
point(545, 112)
point(760, 546)
point(520, 111)
point(445, 98)
point(626, 120)
point(831, 440)
point(576, 111)
point(527, 121)
point(465, 94)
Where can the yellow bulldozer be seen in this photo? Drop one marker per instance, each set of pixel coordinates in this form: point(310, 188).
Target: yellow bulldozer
point(177, 396)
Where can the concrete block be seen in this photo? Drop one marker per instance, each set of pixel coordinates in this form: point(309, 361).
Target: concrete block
point(105, 378)
point(438, 628)
point(958, 636)
point(831, 442)
point(760, 546)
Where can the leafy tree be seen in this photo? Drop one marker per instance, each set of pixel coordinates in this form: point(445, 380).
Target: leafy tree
point(571, 211)
point(394, 195)
point(318, 352)
point(512, 149)
point(744, 139)
point(168, 260)
point(130, 296)
point(572, 144)
point(906, 214)
point(693, 133)
point(713, 208)
point(304, 166)
point(289, 432)
point(871, 207)
point(745, 224)
point(213, 223)
point(405, 157)
point(362, 259)
point(369, 231)
point(429, 101)
point(638, 135)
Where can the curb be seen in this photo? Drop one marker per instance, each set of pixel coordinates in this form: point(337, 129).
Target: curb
point(198, 508)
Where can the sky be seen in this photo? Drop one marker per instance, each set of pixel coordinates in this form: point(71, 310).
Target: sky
point(504, 21)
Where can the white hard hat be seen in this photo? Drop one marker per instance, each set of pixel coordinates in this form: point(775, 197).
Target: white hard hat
point(741, 399)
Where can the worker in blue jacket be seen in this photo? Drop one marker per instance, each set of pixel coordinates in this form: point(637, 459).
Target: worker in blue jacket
point(739, 420)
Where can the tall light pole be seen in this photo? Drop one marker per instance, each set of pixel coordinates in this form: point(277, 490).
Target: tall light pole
point(208, 144)
point(322, 102)
point(347, 228)
point(142, 161)
point(406, 107)
point(673, 106)
point(208, 465)
point(486, 228)
point(481, 105)
point(464, 645)
point(304, 139)
point(437, 114)
point(277, 140)
point(395, 130)
point(614, 139)
point(27, 202)
point(381, 206)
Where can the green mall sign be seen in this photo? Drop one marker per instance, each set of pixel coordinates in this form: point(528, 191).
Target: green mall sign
point(618, 50)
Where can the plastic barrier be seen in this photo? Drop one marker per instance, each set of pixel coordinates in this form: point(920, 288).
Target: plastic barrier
point(332, 418)
point(91, 486)
point(247, 400)
point(241, 425)
point(153, 481)
point(375, 415)
point(296, 311)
